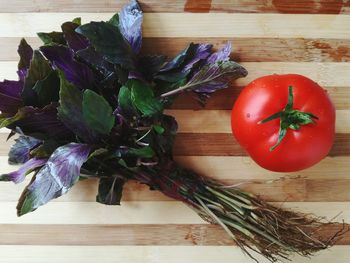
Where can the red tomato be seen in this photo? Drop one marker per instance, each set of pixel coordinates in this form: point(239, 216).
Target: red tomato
point(302, 117)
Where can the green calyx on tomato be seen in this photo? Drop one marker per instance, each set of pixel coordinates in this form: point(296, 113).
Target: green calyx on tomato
point(289, 118)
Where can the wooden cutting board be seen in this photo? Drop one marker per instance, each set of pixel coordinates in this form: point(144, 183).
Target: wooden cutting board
point(310, 37)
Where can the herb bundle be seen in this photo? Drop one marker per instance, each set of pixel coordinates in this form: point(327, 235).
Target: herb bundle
point(88, 104)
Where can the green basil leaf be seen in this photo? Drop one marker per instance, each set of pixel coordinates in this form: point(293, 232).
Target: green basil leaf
point(39, 69)
point(97, 112)
point(70, 111)
point(52, 38)
point(48, 89)
point(143, 98)
point(107, 40)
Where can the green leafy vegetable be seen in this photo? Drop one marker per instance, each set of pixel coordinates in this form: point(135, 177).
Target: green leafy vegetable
point(55, 178)
point(143, 98)
point(110, 190)
point(52, 38)
point(70, 111)
point(159, 129)
point(47, 90)
point(38, 71)
point(97, 112)
point(108, 41)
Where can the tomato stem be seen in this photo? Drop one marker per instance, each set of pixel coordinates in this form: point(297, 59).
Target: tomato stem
point(289, 118)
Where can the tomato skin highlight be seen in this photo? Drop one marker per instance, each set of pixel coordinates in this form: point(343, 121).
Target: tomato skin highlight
point(300, 148)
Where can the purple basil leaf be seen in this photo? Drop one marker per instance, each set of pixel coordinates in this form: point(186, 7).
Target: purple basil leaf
point(55, 178)
point(212, 86)
point(130, 22)
point(19, 152)
point(109, 42)
point(136, 75)
point(202, 52)
point(10, 96)
point(148, 66)
point(173, 76)
point(179, 59)
point(19, 175)
point(165, 141)
point(110, 190)
point(95, 60)
point(40, 122)
point(74, 40)
point(39, 70)
point(212, 77)
point(47, 90)
point(25, 53)
point(62, 58)
point(182, 64)
point(221, 55)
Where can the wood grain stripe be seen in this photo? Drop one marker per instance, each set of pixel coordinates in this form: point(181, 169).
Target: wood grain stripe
point(210, 144)
point(202, 25)
point(224, 99)
point(304, 188)
point(126, 235)
point(259, 49)
point(150, 254)
point(223, 144)
point(219, 121)
point(243, 168)
point(244, 49)
point(146, 212)
point(322, 73)
point(229, 6)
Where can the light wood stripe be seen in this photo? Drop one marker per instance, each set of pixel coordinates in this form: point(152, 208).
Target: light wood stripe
point(234, 6)
point(244, 49)
point(126, 235)
point(206, 144)
point(223, 168)
point(146, 212)
point(219, 121)
point(202, 25)
point(291, 188)
point(152, 254)
point(159, 212)
point(322, 73)
point(243, 168)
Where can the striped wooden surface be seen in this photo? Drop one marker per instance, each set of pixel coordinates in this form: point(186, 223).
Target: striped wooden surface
point(310, 37)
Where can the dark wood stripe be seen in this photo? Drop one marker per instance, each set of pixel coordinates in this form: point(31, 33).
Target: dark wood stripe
point(224, 99)
point(262, 49)
point(127, 235)
point(198, 6)
point(223, 144)
point(245, 49)
point(232, 6)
